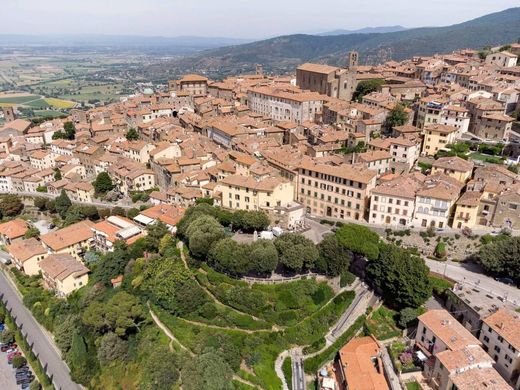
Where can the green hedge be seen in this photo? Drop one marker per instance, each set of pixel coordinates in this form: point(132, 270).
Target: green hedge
point(314, 363)
point(287, 371)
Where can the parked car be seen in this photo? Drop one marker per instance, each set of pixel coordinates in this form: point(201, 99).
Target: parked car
point(507, 281)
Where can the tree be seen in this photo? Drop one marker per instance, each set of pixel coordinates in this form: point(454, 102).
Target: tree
point(103, 183)
point(118, 211)
point(121, 314)
point(229, 256)
point(365, 87)
point(63, 204)
point(296, 252)
point(82, 363)
point(57, 174)
point(502, 257)
point(207, 371)
point(19, 361)
point(202, 234)
point(70, 130)
point(35, 385)
point(334, 258)
point(64, 331)
point(132, 213)
point(171, 286)
point(407, 316)
point(7, 336)
point(11, 205)
point(263, 257)
point(400, 276)
point(162, 369)
point(112, 264)
point(110, 348)
point(359, 239)
point(31, 232)
point(40, 203)
point(440, 250)
point(132, 135)
point(50, 205)
point(73, 216)
point(156, 231)
point(250, 220)
point(397, 116)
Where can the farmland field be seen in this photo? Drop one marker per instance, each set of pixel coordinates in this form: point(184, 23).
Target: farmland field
point(18, 100)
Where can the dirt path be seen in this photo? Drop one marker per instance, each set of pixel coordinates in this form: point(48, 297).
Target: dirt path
point(168, 333)
point(242, 380)
point(249, 331)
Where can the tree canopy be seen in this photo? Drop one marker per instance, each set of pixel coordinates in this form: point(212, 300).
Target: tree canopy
point(397, 116)
point(208, 371)
point(359, 239)
point(103, 183)
point(400, 276)
point(502, 257)
point(10, 205)
point(62, 204)
point(202, 234)
point(334, 258)
point(132, 135)
point(296, 252)
point(367, 86)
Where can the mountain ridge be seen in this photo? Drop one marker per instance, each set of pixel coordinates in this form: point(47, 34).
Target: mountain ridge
point(282, 54)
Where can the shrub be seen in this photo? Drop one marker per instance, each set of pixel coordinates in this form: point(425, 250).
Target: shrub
point(19, 361)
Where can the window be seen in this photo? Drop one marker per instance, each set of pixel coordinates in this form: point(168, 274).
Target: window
point(486, 339)
point(497, 348)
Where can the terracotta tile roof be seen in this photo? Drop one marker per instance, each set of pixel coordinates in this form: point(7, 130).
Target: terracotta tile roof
point(318, 68)
point(357, 362)
point(480, 379)
point(60, 266)
point(401, 186)
point(441, 187)
point(374, 155)
point(14, 229)
point(69, 235)
point(470, 198)
point(507, 324)
point(345, 171)
point(448, 329)
point(25, 249)
point(454, 163)
point(169, 214)
point(438, 128)
point(463, 358)
point(267, 184)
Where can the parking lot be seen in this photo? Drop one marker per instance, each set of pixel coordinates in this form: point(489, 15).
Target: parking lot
point(7, 378)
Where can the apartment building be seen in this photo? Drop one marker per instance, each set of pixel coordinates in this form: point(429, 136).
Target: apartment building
point(335, 191)
point(361, 365)
point(73, 240)
point(435, 201)
point(285, 104)
point(63, 274)
point(26, 255)
point(393, 202)
point(405, 151)
point(246, 193)
point(467, 210)
point(503, 59)
point(192, 84)
point(12, 231)
point(436, 137)
point(500, 337)
point(453, 357)
point(494, 127)
point(454, 167)
point(377, 161)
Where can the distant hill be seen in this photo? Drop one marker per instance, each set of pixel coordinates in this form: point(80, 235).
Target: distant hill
point(283, 54)
point(366, 30)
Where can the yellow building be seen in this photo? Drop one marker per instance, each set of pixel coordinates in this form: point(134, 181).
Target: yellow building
point(246, 193)
point(74, 240)
point(466, 210)
point(26, 255)
point(454, 167)
point(436, 137)
point(63, 274)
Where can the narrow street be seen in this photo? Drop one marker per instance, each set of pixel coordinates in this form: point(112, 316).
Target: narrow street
point(43, 347)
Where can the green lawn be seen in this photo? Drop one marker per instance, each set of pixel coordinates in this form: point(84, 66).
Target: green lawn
point(413, 386)
point(382, 324)
point(48, 113)
point(485, 157)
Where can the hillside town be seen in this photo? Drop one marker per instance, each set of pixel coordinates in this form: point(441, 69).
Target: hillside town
point(415, 148)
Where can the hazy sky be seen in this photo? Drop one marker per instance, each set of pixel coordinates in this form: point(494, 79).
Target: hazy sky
point(231, 18)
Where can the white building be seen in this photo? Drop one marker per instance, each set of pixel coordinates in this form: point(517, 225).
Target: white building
point(504, 59)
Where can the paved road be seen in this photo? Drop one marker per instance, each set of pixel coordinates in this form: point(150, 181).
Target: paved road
point(43, 347)
point(298, 373)
point(470, 274)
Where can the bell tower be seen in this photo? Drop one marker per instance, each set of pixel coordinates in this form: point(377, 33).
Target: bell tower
point(353, 59)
